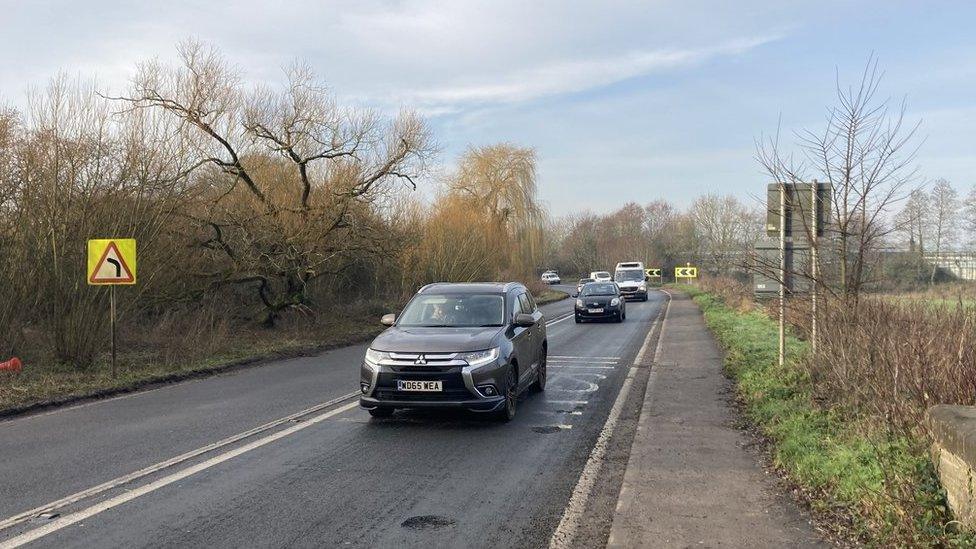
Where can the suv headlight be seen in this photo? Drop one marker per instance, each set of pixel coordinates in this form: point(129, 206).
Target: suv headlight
point(642, 287)
point(579, 303)
point(373, 357)
point(614, 302)
point(480, 358)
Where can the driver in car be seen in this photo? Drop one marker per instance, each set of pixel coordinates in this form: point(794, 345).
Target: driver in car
point(439, 313)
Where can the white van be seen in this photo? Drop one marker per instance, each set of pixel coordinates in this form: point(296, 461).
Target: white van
point(632, 279)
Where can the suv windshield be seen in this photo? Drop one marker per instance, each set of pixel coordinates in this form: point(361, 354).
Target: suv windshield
point(454, 311)
point(597, 288)
point(629, 275)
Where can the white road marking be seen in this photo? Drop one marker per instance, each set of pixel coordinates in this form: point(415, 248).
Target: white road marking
point(580, 366)
point(78, 496)
point(78, 516)
point(651, 380)
point(581, 361)
point(557, 321)
point(570, 402)
point(587, 357)
point(565, 533)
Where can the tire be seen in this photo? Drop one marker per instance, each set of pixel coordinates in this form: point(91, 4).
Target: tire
point(539, 384)
point(507, 413)
point(619, 318)
point(579, 320)
point(382, 412)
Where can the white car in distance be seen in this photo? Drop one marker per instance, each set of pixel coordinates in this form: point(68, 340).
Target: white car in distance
point(550, 277)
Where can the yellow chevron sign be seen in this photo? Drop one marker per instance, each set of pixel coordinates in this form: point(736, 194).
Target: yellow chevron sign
point(686, 272)
point(654, 272)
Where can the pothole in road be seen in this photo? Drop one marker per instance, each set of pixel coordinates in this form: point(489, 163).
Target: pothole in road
point(427, 522)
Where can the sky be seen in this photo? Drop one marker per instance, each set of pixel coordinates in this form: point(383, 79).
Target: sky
point(623, 101)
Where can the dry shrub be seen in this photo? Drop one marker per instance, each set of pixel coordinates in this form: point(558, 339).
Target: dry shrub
point(892, 360)
point(734, 293)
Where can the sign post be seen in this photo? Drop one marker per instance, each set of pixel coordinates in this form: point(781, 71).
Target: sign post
point(782, 274)
point(112, 262)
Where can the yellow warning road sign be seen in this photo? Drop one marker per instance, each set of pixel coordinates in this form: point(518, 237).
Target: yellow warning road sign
point(686, 272)
point(112, 261)
point(654, 272)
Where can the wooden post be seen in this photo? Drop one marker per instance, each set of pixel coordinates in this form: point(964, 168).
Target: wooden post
point(112, 307)
point(782, 274)
point(814, 267)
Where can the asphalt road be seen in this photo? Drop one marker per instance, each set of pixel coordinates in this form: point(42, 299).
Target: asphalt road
point(331, 476)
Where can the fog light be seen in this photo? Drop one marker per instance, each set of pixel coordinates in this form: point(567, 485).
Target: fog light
point(488, 390)
point(364, 387)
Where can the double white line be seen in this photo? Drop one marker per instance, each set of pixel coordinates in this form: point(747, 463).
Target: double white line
point(72, 518)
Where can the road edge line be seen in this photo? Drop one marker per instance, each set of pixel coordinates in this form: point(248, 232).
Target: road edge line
point(651, 379)
point(565, 532)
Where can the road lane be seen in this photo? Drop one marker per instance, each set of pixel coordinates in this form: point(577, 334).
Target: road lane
point(53, 454)
point(350, 480)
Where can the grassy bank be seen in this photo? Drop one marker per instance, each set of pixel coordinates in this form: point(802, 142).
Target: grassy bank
point(549, 296)
point(867, 486)
point(45, 381)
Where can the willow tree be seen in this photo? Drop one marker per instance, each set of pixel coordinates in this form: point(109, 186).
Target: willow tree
point(499, 182)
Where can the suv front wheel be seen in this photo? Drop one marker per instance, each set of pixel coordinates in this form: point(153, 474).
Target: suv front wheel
point(507, 413)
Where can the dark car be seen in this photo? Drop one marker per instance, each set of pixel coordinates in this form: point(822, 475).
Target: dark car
point(600, 300)
point(474, 346)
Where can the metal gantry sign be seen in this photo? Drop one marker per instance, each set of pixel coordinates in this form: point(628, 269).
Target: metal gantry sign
point(685, 272)
point(112, 262)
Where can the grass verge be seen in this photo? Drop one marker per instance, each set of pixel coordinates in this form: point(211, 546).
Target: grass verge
point(865, 486)
point(549, 296)
point(45, 383)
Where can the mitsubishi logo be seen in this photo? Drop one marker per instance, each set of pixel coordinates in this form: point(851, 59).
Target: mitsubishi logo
point(421, 360)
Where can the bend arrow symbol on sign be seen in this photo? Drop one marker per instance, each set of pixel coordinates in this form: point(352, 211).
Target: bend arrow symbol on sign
point(686, 272)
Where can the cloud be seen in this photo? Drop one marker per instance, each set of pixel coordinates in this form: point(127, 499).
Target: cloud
point(571, 76)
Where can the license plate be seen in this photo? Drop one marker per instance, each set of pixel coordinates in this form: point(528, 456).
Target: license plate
point(410, 385)
point(594, 311)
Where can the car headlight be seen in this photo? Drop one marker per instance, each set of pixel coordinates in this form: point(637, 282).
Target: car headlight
point(579, 303)
point(480, 358)
point(373, 357)
point(614, 302)
point(643, 286)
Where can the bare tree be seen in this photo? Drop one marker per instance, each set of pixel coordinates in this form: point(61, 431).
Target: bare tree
point(968, 214)
point(866, 152)
point(288, 177)
point(726, 229)
point(942, 218)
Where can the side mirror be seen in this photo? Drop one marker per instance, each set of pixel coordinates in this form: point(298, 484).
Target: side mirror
point(647, 279)
point(388, 319)
point(524, 320)
point(573, 295)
